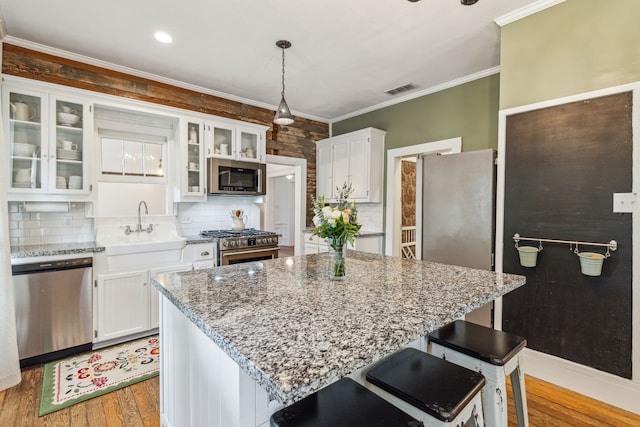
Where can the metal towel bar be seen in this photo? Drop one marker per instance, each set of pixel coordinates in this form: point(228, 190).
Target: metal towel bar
point(612, 245)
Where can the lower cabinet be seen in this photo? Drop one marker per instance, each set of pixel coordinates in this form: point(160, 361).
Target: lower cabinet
point(122, 304)
point(127, 303)
point(154, 297)
point(364, 243)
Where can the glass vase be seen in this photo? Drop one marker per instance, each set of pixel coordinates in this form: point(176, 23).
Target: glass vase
point(337, 259)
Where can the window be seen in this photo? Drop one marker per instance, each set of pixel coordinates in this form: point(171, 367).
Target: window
point(132, 157)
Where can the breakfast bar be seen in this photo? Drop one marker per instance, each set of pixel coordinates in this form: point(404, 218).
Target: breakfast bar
point(240, 341)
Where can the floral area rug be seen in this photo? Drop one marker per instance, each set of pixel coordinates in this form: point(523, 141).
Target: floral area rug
point(88, 375)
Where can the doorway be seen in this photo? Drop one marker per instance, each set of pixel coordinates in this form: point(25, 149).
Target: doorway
point(393, 223)
point(285, 205)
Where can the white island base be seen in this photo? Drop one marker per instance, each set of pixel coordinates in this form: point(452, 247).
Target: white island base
point(200, 385)
point(234, 336)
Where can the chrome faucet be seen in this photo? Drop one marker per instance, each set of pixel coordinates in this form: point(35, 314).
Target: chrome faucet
point(149, 229)
point(146, 211)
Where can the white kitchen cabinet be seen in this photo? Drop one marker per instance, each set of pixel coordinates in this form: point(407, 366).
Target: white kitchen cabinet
point(49, 145)
point(364, 243)
point(122, 304)
point(236, 141)
point(154, 293)
point(200, 255)
point(324, 166)
point(371, 244)
point(192, 173)
point(355, 158)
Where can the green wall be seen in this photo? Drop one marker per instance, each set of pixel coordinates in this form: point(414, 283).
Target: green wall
point(573, 47)
point(469, 110)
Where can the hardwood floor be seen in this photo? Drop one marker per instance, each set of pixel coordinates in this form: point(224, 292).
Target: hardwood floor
point(138, 405)
point(133, 406)
point(285, 251)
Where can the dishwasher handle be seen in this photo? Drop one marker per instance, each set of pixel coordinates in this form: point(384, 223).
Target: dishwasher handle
point(67, 264)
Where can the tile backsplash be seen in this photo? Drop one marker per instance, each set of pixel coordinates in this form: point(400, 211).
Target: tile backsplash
point(370, 215)
point(35, 228)
point(214, 214)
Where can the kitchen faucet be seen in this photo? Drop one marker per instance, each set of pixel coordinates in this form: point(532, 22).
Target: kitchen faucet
point(146, 211)
point(149, 229)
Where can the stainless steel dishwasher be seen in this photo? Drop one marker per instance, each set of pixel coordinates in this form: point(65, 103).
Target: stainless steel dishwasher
point(53, 309)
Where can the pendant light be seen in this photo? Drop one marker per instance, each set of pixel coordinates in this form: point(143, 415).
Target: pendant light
point(283, 114)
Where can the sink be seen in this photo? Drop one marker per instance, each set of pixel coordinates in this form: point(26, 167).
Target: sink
point(164, 237)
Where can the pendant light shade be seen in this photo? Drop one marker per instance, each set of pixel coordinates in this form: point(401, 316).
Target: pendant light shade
point(283, 114)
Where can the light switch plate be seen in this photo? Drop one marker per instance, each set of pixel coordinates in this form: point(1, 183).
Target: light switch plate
point(624, 202)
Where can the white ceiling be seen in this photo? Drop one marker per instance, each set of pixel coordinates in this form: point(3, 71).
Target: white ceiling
point(345, 53)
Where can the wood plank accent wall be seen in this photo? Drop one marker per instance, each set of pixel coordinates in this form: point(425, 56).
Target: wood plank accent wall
point(296, 140)
point(563, 164)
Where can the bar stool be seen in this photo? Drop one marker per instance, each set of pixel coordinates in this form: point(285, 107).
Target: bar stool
point(344, 403)
point(444, 394)
point(495, 354)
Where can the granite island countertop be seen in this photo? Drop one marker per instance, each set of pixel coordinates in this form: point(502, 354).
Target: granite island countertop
point(294, 331)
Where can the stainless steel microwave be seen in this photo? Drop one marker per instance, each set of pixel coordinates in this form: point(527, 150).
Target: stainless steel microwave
point(234, 177)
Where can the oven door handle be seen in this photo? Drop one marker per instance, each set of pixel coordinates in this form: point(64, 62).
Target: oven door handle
point(255, 251)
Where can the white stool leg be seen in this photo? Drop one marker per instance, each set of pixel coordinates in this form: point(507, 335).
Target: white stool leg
point(519, 396)
point(494, 402)
point(477, 419)
point(494, 393)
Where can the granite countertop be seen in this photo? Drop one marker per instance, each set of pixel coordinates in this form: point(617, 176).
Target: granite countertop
point(196, 239)
point(53, 249)
point(294, 331)
point(28, 251)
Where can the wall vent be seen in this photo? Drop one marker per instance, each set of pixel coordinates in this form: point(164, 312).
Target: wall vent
point(400, 89)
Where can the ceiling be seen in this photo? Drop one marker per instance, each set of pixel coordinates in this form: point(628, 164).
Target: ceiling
point(345, 54)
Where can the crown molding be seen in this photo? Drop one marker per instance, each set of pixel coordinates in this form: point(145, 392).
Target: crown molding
point(523, 12)
point(142, 74)
point(421, 93)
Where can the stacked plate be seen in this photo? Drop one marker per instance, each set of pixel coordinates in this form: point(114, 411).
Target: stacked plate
point(75, 182)
point(68, 154)
point(61, 182)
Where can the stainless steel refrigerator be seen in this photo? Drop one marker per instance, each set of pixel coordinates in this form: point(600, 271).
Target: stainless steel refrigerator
point(458, 213)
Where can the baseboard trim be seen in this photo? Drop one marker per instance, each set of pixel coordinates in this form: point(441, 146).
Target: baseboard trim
point(608, 388)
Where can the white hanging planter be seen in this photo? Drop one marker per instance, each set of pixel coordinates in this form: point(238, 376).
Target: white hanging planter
point(528, 255)
point(591, 263)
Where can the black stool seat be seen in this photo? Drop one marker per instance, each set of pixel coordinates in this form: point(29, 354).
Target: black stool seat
point(344, 403)
point(486, 344)
point(435, 386)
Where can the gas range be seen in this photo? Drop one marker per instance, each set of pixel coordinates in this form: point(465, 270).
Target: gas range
point(247, 238)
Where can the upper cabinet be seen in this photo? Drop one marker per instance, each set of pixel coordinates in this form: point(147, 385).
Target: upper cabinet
point(355, 158)
point(48, 144)
point(193, 169)
point(236, 142)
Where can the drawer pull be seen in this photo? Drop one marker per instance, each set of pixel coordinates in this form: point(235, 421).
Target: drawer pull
point(204, 253)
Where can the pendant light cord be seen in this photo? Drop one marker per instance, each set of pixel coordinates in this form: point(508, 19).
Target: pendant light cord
point(283, 72)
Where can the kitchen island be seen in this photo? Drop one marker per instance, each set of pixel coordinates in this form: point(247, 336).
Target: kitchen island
point(240, 341)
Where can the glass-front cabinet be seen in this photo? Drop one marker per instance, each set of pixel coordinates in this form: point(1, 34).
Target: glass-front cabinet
point(220, 140)
point(25, 112)
point(69, 157)
point(251, 145)
point(242, 143)
point(48, 146)
point(193, 182)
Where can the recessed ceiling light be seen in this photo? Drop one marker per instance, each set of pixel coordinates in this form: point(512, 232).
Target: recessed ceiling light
point(163, 37)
